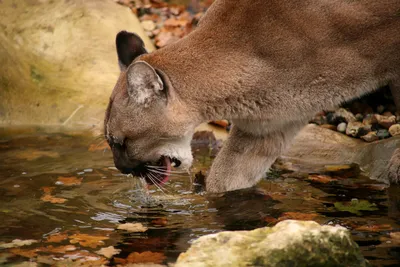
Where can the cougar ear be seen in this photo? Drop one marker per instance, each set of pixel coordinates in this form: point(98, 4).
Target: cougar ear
point(144, 84)
point(129, 47)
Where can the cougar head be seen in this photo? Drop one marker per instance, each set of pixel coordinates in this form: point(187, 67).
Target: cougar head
point(146, 125)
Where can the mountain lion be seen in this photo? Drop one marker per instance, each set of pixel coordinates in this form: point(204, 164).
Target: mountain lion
point(266, 65)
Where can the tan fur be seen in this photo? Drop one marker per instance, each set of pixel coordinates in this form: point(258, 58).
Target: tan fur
point(266, 65)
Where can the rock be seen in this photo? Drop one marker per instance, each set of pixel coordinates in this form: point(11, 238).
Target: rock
point(369, 119)
point(329, 126)
point(58, 50)
point(383, 133)
point(394, 130)
point(314, 147)
point(342, 127)
point(380, 109)
point(370, 137)
point(398, 119)
point(148, 25)
point(359, 117)
point(385, 121)
point(340, 115)
point(357, 129)
point(387, 114)
point(319, 120)
point(289, 243)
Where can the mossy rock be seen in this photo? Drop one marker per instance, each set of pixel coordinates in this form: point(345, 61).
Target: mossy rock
point(289, 243)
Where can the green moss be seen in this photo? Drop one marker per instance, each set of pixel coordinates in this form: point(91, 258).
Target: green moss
point(355, 206)
point(35, 75)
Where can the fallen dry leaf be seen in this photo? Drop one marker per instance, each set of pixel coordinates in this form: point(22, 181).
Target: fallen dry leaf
point(297, 216)
point(132, 227)
point(47, 197)
point(108, 252)
point(87, 240)
point(27, 253)
point(99, 146)
point(374, 227)
point(145, 257)
point(18, 243)
point(51, 199)
point(321, 178)
point(60, 249)
point(56, 238)
point(70, 181)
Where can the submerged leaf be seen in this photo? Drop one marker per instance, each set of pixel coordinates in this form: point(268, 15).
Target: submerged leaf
point(108, 252)
point(146, 257)
point(87, 240)
point(18, 243)
point(132, 227)
point(355, 206)
point(70, 181)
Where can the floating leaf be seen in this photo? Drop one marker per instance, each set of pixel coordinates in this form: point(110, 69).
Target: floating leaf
point(321, 178)
point(60, 249)
point(374, 227)
point(47, 197)
point(132, 227)
point(108, 252)
point(99, 146)
point(297, 216)
point(145, 257)
point(18, 243)
point(70, 181)
point(87, 240)
point(355, 206)
point(56, 238)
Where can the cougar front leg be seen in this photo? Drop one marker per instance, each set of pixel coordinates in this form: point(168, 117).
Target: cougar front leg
point(245, 157)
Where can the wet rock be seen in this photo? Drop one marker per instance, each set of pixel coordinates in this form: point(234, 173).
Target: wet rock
point(329, 126)
point(342, 127)
point(383, 133)
point(370, 137)
point(387, 114)
point(289, 243)
point(357, 129)
point(369, 119)
point(394, 130)
point(385, 121)
point(340, 115)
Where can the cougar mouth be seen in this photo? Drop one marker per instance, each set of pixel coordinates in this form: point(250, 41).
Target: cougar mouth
point(158, 172)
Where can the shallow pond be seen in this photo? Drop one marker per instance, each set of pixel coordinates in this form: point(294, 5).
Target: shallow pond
point(61, 197)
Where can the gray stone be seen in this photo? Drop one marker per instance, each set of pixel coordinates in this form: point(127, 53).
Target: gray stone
point(383, 133)
point(342, 127)
point(289, 243)
point(394, 130)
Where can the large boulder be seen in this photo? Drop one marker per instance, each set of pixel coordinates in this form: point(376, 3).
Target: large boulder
point(289, 243)
point(58, 63)
point(316, 146)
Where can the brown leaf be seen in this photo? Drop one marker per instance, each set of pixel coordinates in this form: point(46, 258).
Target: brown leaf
point(31, 154)
point(132, 227)
point(374, 227)
point(160, 221)
point(99, 146)
point(51, 199)
point(56, 238)
point(297, 216)
point(70, 181)
point(27, 253)
point(60, 249)
point(321, 178)
point(145, 257)
point(87, 240)
point(108, 252)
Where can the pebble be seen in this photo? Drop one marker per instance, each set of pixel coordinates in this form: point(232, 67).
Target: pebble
point(59, 183)
point(380, 109)
point(385, 121)
point(394, 130)
point(383, 133)
point(359, 117)
point(148, 25)
point(88, 170)
point(340, 115)
point(370, 137)
point(17, 185)
point(357, 129)
point(342, 127)
point(80, 173)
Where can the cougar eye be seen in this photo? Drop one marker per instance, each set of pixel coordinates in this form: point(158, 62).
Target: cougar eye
point(116, 142)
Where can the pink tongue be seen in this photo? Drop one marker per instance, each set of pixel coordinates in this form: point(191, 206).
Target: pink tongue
point(167, 165)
